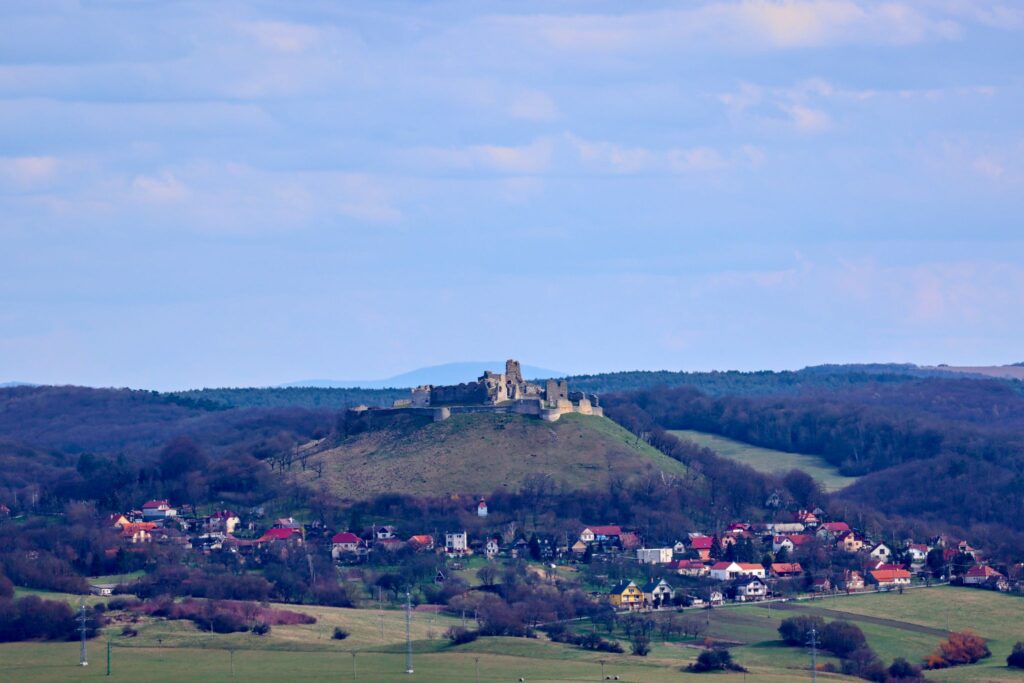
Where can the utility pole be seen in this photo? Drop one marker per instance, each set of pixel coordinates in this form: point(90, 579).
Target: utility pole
point(813, 642)
point(380, 610)
point(108, 656)
point(355, 674)
point(231, 656)
point(408, 633)
point(477, 660)
point(82, 622)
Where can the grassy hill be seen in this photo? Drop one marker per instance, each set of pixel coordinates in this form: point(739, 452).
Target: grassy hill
point(768, 460)
point(479, 453)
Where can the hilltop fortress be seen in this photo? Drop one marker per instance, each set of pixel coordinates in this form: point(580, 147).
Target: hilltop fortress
point(495, 392)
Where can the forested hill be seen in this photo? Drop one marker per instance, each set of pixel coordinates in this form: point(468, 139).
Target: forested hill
point(931, 450)
point(729, 383)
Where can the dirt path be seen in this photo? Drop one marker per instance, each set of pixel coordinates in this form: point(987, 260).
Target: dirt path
point(847, 616)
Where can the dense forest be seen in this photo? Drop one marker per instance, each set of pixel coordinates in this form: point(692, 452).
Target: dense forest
point(937, 452)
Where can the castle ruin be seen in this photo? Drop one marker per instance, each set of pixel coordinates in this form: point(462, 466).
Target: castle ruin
point(505, 392)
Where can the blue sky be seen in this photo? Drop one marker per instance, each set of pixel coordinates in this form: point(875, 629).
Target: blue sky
point(197, 193)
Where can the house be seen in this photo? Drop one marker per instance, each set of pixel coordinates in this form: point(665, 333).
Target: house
point(918, 553)
point(790, 542)
point(654, 555)
point(117, 520)
point(715, 597)
point(481, 508)
point(701, 545)
point(278, 534)
point(965, 548)
point(831, 530)
point(849, 542)
point(138, 532)
point(657, 593)
point(223, 520)
point(889, 578)
point(821, 585)
point(852, 581)
point(491, 548)
point(980, 574)
point(726, 571)
point(102, 589)
point(806, 517)
point(384, 533)
point(881, 552)
point(786, 569)
point(625, 595)
point(579, 548)
point(608, 533)
point(421, 542)
point(748, 589)
point(157, 509)
point(286, 523)
point(629, 540)
point(691, 568)
point(544, 546)
point(786, 528)
point(456, 543)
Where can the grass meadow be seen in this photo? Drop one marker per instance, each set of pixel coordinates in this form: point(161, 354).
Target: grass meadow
point(768, 460)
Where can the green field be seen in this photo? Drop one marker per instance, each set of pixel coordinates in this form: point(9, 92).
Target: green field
point(908, 625)
point(768, 460)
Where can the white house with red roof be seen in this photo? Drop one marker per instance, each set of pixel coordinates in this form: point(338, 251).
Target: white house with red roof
point(601, 533)
point(702, 546)
point(727, 571)
point(157, 509)
point(881, 552)
point(890, 578)
point(344, 543)
point(481, 508)
point(280, 534)
point(831, 530)
point(790, 542)
point(980, 574)
point(690, 568)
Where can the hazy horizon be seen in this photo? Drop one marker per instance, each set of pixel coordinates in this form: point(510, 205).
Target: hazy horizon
point(229, 194)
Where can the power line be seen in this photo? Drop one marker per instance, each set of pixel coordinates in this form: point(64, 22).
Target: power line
point(813, 642)
point(82, 626)
point(409, 634)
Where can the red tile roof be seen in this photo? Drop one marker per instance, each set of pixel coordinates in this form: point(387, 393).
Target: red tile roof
point(606, 530)
point(345, 537)
point(889, 575)
point(836, 527)
point(980, 572)
point(278, 534)
point(787, 568)
point(701, 542)
point(154, 504)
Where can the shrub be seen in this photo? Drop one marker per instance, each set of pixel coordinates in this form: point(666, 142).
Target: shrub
point(797, 630)
point(261, 628)
point(1016, 658)
point(960, 648)
point(842, 638)
point(864, 663)
point(640, 644)
point(227, 622)
point(902, 670)
point(129, 632)
point(461, 636)
point(339, 633)
point(714, 660)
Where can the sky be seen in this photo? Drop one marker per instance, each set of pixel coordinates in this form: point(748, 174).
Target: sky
point(251, 193)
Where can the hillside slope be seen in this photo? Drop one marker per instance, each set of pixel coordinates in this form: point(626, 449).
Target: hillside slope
point(476, 454)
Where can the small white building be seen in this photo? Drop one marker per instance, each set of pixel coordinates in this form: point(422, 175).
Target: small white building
point(481, 508)
point(456, 543)
point(157, 509)
point(727, 571)
point(881, 552)
point(654, 555)
point(658, 593)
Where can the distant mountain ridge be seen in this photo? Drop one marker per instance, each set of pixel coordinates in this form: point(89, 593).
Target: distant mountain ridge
point(446, 373)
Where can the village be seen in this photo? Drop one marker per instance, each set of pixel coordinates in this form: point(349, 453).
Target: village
point(807, 554)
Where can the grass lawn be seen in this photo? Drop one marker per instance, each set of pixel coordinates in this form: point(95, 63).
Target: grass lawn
point(768, 460)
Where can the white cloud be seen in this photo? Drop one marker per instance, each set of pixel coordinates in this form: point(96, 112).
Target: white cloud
point(159, 189)
point(748, 24)
point(280, 36)
point(611, 157)
point(534, 157)
point(533, 105)
point(808, 120)
point(29, 171)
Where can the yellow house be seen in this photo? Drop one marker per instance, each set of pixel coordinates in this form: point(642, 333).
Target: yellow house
point(626, 595)
point(850, 543)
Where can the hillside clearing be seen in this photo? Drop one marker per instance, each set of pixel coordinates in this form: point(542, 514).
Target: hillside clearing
point(768, 460)
point(477, 454)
